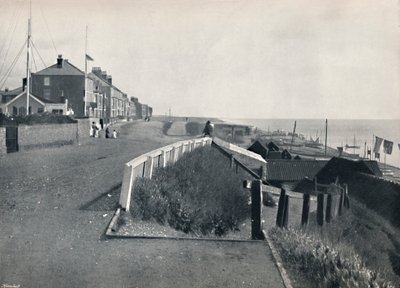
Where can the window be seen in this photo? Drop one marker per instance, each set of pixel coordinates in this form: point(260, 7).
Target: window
point(46, 81)
point(40, 110)
point(57, 111)
point(46, 93)
point(22, 110)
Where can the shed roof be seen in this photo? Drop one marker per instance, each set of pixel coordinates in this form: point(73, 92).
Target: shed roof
point(259, 148)
point(345, 169)
point(293, 170)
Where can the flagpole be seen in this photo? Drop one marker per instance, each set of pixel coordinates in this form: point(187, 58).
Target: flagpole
point(326, 134)
point(28, 68)
point(84, 108)
point(373, 138)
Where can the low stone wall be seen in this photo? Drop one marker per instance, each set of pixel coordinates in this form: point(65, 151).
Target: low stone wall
point(3, 147)
point(39, 136)
point(83, 128)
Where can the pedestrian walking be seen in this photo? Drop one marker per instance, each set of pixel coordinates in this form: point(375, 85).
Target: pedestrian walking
point(94, 129)
point(114, 134)
point(208, 129)
point(107, 133)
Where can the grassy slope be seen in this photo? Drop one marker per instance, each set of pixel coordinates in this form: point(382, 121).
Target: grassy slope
point(359, 233)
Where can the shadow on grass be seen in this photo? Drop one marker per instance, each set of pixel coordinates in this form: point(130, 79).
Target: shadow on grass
point(107, 201)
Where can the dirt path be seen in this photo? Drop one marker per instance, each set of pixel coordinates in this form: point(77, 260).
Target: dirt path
point(178, 128)
point(47, 240)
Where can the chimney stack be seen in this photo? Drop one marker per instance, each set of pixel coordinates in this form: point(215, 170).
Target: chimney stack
point(109, 79)
point(59, 61)
point(104, 75)
point(24, 84)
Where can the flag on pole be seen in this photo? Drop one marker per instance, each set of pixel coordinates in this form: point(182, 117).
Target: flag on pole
point(387, 146)
point(378, 143)
point(88, 58)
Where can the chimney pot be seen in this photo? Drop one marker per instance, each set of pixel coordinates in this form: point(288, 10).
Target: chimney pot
point(59, 61)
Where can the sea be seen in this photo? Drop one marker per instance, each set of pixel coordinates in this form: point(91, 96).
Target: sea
point(354, 132)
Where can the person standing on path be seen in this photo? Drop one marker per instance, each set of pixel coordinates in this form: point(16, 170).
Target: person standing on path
point(208, 129)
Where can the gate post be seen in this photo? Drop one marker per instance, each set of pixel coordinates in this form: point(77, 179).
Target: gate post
point(281, 208)
point(126, 189)
point(328, 214)
point(306, 209)
point(320, 209)
point(256, 210)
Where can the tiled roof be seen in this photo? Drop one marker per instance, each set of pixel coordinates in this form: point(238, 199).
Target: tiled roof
point(344, 169)
point(13, 92)
point(259, 148)
point(293, 170)
point(67, 69)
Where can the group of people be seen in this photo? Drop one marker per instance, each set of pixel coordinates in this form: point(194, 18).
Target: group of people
point(94, 132)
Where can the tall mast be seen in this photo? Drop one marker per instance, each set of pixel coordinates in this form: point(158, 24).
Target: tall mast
point(85, 71)
point(28, 69)
point(294, 131)
point(326, 134)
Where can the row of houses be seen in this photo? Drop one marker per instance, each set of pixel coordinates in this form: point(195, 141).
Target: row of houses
point(61, 89)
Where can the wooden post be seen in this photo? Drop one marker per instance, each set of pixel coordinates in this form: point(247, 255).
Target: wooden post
point(163, 158)
point(286, 212)
point(346, 197)
point(320, 209)
point(256, 210)
point(148, 172)
point(281, 209)
point(328, 212)
point(261, 172)
point(306, 209)
point(232, 161)
point(315, 184)
point(127, 182)
point(172, 155)
point(341, 202)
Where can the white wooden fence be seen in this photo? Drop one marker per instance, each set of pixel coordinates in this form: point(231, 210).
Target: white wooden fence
point(144, 165)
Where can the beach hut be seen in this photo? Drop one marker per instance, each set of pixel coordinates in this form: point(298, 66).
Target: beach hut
point(272, 146)
point(259, 148)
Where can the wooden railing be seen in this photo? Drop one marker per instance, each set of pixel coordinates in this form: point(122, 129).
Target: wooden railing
point(144, 165)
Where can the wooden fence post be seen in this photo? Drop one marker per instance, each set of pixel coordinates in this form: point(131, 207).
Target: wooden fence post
point(149, 167)
point(315, 184)
point(346, 198)
point(232, 161)
point(163, 158)
point(306, 209)
point(341, 202)
point(286, 212)
point(172, 155)
point(328, 212)
point(281, 209)
point(320, 209)
point(256, 210)
point(127, 182)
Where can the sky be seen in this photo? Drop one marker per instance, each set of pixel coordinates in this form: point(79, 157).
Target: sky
point(223, 58)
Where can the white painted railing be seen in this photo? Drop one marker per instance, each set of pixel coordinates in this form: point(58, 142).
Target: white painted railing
point(144, 165)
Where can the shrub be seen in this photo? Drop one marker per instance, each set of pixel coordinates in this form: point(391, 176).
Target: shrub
point(166, 127)
point(194, 128)
point(198, 194)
